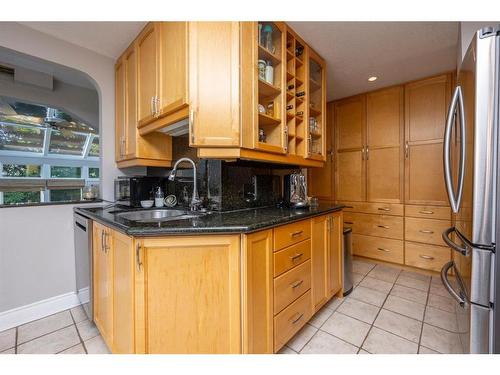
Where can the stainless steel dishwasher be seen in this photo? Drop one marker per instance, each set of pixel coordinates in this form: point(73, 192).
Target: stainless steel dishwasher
point(83, 261)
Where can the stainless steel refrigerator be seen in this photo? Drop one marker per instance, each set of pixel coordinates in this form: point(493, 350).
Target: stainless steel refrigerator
point(470, 157)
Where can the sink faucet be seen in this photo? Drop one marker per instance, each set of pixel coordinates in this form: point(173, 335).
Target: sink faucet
point(195, 199)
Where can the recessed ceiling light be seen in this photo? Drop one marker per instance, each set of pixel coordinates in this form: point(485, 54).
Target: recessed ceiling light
point(373, 78)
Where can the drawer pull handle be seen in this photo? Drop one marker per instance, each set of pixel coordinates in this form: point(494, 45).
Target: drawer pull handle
point(296, 234)
point(296, 256)
point(348, 222)
point(384, 209)
point(426, 257)
point(383, 226)
point(297, 284)
point(426, 231)
point(384, 250)
point(425, 212)
point(297, 319)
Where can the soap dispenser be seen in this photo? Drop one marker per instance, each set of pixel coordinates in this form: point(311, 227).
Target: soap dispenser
point(159, 197)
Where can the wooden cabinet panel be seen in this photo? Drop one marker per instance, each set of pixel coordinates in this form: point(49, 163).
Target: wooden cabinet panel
point(288, 322)
point(385, 249)
point(374, 208)
point(425, 230)
point(291, 285)
point(320, 242)
point(290, 234)
point(320, 180)
point(258, 292)
point(428, 212)
point(384, 175)
point(123, 294)
point(350, 119)
point(173, 78)
point(291, 256)
point(335, 254)
point(375, 225)
point(206, 269)
point(426, 106)
point(350, 176)
point(424, 175)
point(214, 83)
point(384, 117)
point(103, 281)
point(426, 256)
point(147, 72)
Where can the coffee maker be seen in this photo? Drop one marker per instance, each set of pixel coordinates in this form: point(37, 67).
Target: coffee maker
point(295, 190)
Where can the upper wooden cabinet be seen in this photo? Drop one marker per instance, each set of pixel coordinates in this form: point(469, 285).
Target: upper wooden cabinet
point(369, 135)
point(426, 104)
point(207, 74)
point(132, 149)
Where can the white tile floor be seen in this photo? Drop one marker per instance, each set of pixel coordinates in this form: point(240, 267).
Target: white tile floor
point(391, 310)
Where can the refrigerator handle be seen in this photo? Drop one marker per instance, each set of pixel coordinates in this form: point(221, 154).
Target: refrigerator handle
point(451, 244)
point(444, 278)
point(454, 198)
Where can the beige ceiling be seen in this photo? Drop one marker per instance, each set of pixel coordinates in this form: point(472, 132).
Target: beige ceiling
point(395, 52)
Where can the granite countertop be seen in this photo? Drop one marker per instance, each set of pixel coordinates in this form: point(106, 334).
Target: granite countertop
point(240, 221)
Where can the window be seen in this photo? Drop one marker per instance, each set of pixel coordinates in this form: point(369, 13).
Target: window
point(45, 154)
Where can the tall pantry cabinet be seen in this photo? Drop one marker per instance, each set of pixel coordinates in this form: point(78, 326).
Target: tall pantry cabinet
point(388, 171)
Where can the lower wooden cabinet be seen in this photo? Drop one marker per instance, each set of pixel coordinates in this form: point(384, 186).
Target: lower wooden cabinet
point(213, 293)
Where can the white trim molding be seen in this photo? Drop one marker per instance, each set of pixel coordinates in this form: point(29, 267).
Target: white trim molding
point(25, 314)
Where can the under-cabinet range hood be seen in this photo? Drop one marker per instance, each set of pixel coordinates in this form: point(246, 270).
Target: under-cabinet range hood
point(176, 129)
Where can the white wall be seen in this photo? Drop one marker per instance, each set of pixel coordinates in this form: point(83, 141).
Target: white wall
point(36, 243)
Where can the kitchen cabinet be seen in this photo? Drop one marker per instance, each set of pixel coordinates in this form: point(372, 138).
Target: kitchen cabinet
point(426, 105)
point(132, 149)
point(258, 293)
point(326, 258)
point(247, 293)
point(103, 281)
point(321, 180)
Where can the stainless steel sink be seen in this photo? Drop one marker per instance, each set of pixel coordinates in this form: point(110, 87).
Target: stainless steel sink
point(153, 216)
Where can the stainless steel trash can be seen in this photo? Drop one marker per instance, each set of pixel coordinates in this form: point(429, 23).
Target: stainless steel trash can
point(347, 282)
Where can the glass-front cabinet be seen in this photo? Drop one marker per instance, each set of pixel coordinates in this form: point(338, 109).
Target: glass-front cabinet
point(316, 109)
point(271, 87)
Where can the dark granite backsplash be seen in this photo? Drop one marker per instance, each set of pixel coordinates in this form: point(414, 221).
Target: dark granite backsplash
point(225, 186)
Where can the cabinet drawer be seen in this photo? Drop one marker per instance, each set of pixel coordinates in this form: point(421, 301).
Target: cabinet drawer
point(374, 208)
point(375, 225)
point(291, 285)
point(288, 322)
point(291, 256)
point(290, 234)
point(428, 212)
point(426, 256)
point(378, 248)
point(425, 230)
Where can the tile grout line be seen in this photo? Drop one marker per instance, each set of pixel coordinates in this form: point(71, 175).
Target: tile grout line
point(78, 332)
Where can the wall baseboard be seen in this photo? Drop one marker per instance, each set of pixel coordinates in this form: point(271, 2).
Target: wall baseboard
point(24, 314)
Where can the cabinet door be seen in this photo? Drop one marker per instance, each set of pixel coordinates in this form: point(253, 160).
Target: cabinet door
point(214, 84)
point(258, 293)
point(120, 109)
point(192, 290)
point(320, 242)
point(130, 85)
point(384, 138)
point(103, 282)
point(147, 72)
point(335, 254)
point(321, 179)
point(173, 83)
point(350, 119)
point(123, 294)
point(350, 181)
